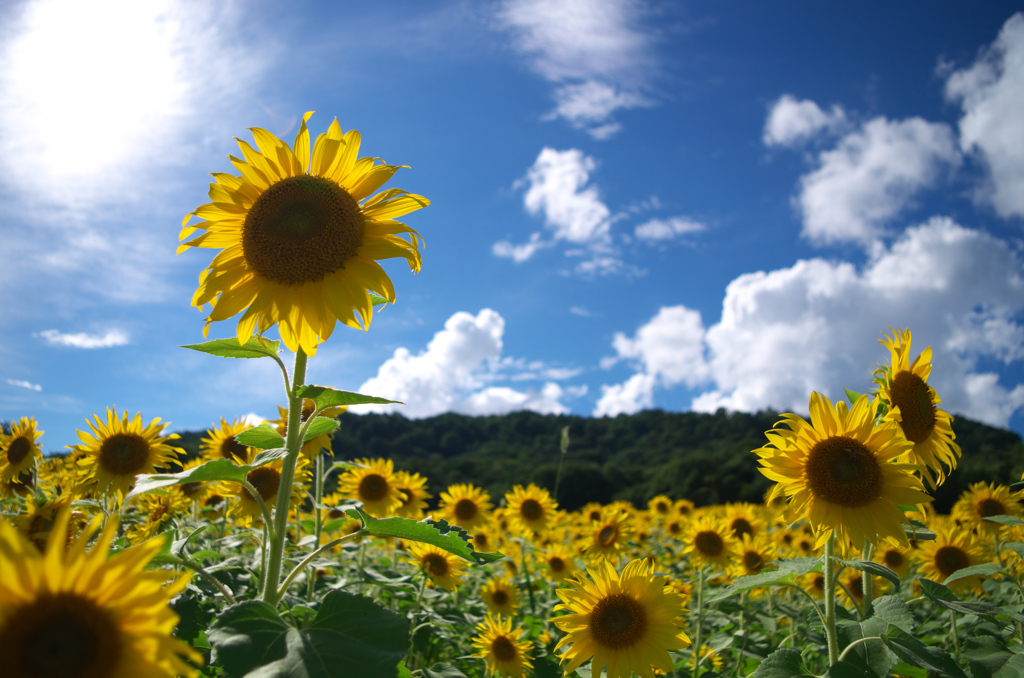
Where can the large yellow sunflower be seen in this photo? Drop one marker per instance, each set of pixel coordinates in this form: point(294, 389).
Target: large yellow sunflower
point(626, 623)
point(912, 405)
point(502, 647)
point(952, 549)
point(266, 480)
point(118, 450)
point(372, 483)
point(530, 508)
point(301, 238)
point(68, 612)
point(983, 500)
point(465, 505)
point(841, 471)
point(19, 449)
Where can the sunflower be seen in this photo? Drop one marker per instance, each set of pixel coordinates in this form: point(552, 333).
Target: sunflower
point(501, 596)
point(69, 612)
point(982, 500)
point(841, 471)
point(502, 647)
point(813, 583)
point(606, 537)
point(157, 511)
point(199, 490)
point(301, 239)
point(852, 590)
point(220, 443)
point(744, 519)
point(465, 505)
point(266, 480)
point(591, 512)
point(19, 449)
point(753, 554)
point(373, 483)
point(893, 556)
point(412, 490)
point(708, 541)
point(660, 507)
point(484, 540)
point(626, 623)
point(39, 519)
point(557, 562)
point(531, 508)
point(912, 405)
point(442, 568)
point(119, 450)
point(684, 507)
point(706, 656)
point(952, 549)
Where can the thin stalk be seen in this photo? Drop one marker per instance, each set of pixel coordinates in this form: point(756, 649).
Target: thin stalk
point(856, 643)
point(293, 443)
point(526, 573)
point(308, 559)
point(209, 577)
point(867, 585)
point(267, 520)
point(700, 622)
point(956, 634)
point(830, 601)
point(739, 655)
point(317, 518)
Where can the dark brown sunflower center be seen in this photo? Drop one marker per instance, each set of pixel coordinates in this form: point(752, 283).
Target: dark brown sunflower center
point(265, 480)
point(215, 500)
point(741, 526)
point(753, 562)
point(606, 537)
point(893, 559)
point(233, 450)
point(436, 564)
point(856, 586)
point(806, 545)
point(124, 454)
point(556, 564)
point(531, 509)
point(18, 450)
point(500, 597)
point(594, 516)
point(301, 229)
point(841, 471)
point(709, 543)
point(991, 507)
point(914, 398)
point(158, 514)
point(466, 509)
point(675, 527)
point(373, 487)
point(480, 540)
point(190, 490)
point(60, 636)
point(504, 649)
point(662, 507)
point(949, 559)
point(618, 621)
point(818, 582)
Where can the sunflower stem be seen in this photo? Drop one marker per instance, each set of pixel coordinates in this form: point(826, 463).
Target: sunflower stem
point(867, 585)
point(697, 640)
point(956, 634)
point(317, 517)
point(830, 601)
point(526, 573)
point(293, 443)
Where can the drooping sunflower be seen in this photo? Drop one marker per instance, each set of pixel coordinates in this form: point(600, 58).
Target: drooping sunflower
point(503, 648)
point(709, 541)
point(118, 450)
point(373, 483)
point(465, 505)
point(412, 489)
point(501, 596)
point(952, 549)
point(625, 623)
point(19, 449)
point(842, 471)
point(531, 508)
point(72, 612)
point(983, 500)
point(220, 443)
point(442, 568)
point(912, 405)
point(301, 238)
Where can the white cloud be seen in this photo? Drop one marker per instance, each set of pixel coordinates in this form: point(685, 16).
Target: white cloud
point(871, 176)
point(667, 229)
point(452, 374)
point(791, 122)
point(591, 49)
point(629, 397)
point(25, 384)
point(991, 93)
point(520, 253)
point(83, 339)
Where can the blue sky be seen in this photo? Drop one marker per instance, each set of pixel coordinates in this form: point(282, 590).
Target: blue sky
point(683, 205)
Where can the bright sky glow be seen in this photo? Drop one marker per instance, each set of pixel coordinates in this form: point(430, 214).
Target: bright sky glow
point(635, 203)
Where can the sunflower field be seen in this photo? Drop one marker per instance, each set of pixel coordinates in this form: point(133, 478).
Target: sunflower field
point(125, 560)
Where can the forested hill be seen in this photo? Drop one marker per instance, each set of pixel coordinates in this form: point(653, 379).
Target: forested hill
point(702, 457)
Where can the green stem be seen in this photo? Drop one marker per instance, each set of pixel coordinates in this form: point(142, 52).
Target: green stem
point(255, 494)
point(867, 585)
point(293, 443)
point(526, 573)
point(317, 517)
point(209, 577)
point(956, 635)
point(700, 622)
point(830, 601)
point(312, 556)
point(856, 643)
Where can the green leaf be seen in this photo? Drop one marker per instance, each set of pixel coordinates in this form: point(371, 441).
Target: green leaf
point(919, 531)
point(350, 636)
point(903, 669)
point(783, 663)
point(179, 544)
point(267, 456)
point(875, 569)
point(256, 347)
point(218, 469)
point(852, 395)
point(914, 652)
point(1017, 486)
point(264, 437)
point(870, 657)
point(320, 426)
point(1006, 520)
point(443, 671)
point(1017, 547)
point(845, 669)
point(327, 397)
point(983, 570)
point(894, 610)
point(947, 599)
point(376, 299)
point(787, 572)
point(990, 658)
point(439, 533)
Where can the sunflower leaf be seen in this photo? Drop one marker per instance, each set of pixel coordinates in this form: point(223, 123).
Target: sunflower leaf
point(852, 395)
point(437, 532)
point(989, 657)
point(786, 573)
point(1006, 520)
point(179, 544)
point(267, 456)
point(783, 663)
point(919, 531)
point(217, 469)
point(327, 397)
point(912, 651)
point(377, 300)
point(940, 594)
point(983, 570)
point(264, 437)
point(320, 426)
point(874, 568)
point(256, 347)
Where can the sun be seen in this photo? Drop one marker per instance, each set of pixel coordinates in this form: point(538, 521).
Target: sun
point(503, 648)
point(300, 238)
point(624, 623)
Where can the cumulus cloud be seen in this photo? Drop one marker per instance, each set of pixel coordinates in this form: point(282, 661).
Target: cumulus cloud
point(25, 384)
point(592, 50)
point(629, 397)
point(871, 176)
point(791, 122)
point(991, 93)
point(83, 339)
point(656, 230)
point(453, 374)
